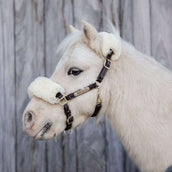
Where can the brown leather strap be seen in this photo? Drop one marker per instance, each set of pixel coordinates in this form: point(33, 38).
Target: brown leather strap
point(59, 95)
point(97, 109)
point(106, 67)
point(81, 91)
point(69, 117)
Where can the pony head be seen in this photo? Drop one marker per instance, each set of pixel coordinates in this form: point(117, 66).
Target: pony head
point(84, 55)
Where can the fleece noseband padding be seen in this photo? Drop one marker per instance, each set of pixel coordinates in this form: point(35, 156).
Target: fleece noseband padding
point(45, 89)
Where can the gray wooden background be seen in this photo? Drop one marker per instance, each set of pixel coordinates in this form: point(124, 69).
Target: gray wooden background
point(30, 31)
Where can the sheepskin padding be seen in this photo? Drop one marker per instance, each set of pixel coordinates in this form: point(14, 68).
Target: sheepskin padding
point(45, 89)
point(111, 41)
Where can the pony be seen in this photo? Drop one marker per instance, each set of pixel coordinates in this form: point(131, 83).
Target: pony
point(101, 74)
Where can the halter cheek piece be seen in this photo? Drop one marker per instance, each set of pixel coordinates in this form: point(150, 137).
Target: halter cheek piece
point(64, 99)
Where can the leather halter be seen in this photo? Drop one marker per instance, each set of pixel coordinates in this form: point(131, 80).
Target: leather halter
point(64, 99)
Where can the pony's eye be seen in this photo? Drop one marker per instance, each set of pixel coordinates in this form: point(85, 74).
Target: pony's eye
point(74, 71)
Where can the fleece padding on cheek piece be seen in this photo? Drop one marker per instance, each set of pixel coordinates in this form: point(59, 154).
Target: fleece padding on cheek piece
point(113, 42)
point(45, 89)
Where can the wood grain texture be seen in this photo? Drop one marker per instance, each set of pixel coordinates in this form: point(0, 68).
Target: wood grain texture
point(7, 88)
point(161, 24)
point(30, 32)
point(115, 158)
point(58, 15)
point(87, 10)
point(29, 50)
point(141, 26)
point(110, 11)
point(126, 20)
point(90, 137)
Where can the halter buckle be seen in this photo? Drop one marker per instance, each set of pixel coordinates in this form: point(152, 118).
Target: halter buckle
point(98, 96)
point(69, 120)
point(107, 61)
point(62, 101)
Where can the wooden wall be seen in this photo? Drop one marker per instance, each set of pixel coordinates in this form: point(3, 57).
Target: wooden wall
point(30, 31)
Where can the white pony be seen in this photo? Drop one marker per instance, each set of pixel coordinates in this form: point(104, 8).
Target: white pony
point(136, 95)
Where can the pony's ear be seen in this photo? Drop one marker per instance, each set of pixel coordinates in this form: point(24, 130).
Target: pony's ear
point(91, 36)
point(102, 42)
point(72, 29)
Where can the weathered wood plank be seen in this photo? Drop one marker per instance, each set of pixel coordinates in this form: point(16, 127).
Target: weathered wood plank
point(90, 137)
point(89, 10)
point(141, 26)
point(161, 24)
point(2, 91)
point(114, 150)
point(110, 12)
point(53, 22)
point(7, 88)
point(126, 20)
point(58, 15)
point(91, 146)
point(29, 49)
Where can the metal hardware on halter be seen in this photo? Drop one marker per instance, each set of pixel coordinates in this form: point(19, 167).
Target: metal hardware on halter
point(69, 120)
point(98, 103)
point(62, 101)
point(82, 91)
point(107, 64)
point(98, 95)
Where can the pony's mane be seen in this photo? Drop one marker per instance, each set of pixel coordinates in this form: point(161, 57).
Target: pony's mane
point(67, 43)
point(109, 27)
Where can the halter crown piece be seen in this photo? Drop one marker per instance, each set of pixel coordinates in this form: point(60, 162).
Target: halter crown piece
point(41, 86)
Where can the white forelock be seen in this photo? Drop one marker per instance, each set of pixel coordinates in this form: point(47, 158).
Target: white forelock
point(45, 89)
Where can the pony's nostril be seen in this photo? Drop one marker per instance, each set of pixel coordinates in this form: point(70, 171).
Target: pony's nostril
point(28, 119)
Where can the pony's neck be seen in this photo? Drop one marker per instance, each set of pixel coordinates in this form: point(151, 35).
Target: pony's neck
point(135, 82)
point(138, 83)
point(122, 76)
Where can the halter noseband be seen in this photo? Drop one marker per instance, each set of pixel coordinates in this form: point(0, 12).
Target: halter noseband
point(64, 99)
